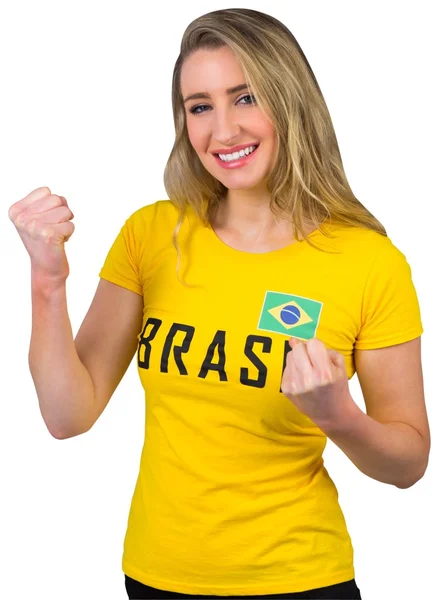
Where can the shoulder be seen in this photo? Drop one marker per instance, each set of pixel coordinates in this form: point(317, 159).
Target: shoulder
point(157, 209)
point(364, 244)
point(157, 216)
point(361, 255)
point(378, 266)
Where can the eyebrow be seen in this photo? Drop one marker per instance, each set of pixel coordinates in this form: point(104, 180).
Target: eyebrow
point(233, 90)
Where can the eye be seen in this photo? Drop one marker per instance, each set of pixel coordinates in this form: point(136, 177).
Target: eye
point(253, 99)
point(194, 109)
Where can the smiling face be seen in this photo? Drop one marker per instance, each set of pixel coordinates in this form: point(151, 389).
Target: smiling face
point(222, 122)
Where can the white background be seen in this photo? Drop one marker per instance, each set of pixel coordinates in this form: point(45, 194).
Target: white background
point(86, 110)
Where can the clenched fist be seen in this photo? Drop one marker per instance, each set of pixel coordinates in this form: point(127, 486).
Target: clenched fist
point(43, 222)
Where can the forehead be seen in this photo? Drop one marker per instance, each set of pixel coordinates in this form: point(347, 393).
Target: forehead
point(210, 70)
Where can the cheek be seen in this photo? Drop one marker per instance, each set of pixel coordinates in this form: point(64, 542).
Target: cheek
point(196, 137)
point(271, 137)
point(261, 122)
point(269, 133)
point(192, 137)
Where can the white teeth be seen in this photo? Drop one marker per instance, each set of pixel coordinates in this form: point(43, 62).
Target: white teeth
point(236, 155)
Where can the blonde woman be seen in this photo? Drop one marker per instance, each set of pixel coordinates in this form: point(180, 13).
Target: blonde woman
point(250, 298)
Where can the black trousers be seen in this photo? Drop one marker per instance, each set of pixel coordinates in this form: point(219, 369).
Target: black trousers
point(347, 590)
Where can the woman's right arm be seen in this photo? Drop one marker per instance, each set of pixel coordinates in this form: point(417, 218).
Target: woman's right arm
point(74, 378)
point(64, 386)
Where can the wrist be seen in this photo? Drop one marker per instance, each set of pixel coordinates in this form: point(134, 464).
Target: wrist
point(346, 420)
point(46, 284)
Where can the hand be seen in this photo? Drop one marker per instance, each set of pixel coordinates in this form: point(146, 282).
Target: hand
point(43, 222)
point(316, 382)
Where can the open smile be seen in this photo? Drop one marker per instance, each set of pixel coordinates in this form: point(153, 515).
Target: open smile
point(239, 162)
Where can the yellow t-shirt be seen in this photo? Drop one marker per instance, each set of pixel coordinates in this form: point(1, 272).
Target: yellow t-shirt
point(232, 495)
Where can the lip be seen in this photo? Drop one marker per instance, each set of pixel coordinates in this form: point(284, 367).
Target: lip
point(239, 162)
point(234, 149)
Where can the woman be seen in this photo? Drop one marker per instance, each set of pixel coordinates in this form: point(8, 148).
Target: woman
point(290, 286)
point(232, 496)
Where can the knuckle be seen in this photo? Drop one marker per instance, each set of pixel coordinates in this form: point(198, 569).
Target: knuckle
point(44, 190)
point(47, 234)
point(20, 218)
point(286, 387)
point(309, 382)
point(316, 344)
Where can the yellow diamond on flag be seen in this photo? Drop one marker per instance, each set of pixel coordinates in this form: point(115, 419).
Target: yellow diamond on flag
point(290, 315)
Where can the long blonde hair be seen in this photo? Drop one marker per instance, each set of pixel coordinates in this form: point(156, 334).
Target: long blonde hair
point(308, 178)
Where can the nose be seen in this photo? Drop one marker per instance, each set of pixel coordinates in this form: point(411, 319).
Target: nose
point(224, 126)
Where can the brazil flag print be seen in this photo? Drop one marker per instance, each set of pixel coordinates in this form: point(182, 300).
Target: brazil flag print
point(294, 316)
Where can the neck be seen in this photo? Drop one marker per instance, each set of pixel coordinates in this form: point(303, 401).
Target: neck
point(246, 213)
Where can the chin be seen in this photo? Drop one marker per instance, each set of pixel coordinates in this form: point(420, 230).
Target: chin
point(236, 179)
point(238, 182)
point(241, 186)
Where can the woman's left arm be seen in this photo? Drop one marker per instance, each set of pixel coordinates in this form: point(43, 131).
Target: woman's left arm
point(391, 443)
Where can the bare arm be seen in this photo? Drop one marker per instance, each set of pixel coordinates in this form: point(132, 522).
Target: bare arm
point(392, 442)
point(63, 384)
point(75, 379)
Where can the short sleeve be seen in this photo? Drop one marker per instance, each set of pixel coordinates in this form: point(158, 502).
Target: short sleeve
point(121, 265)
point(390, 312)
